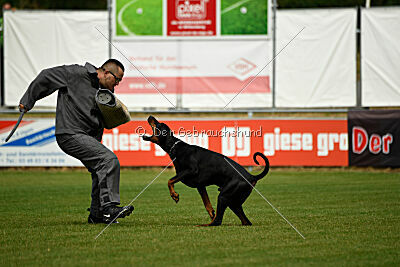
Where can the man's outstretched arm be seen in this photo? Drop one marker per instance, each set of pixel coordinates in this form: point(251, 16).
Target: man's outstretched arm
point(46, 83)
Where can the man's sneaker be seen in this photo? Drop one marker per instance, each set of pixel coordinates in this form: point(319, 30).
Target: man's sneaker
point(95, 220)
point(113, 212)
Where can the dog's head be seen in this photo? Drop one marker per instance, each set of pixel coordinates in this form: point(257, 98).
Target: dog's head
point(161, 132)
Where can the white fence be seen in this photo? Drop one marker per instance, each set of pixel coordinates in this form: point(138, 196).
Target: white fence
point(380, 56)
point(34, 40)
point(315, 69)
point(318, 69)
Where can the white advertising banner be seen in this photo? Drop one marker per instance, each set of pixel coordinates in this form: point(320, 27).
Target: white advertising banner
point(207, 74)
point(35, 40)
point(318, 67)
point(33, 144)
point(380, 56)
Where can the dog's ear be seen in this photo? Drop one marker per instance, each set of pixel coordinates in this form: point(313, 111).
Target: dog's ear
point(151, 120)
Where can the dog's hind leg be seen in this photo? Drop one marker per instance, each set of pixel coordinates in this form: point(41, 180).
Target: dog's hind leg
point(238, 210)
point(221, 207)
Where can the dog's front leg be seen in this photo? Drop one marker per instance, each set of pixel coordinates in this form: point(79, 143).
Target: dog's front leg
point(180, 176)
point(171, 182)
point(207, 204)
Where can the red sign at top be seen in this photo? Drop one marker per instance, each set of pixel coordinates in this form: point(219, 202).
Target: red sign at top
point(191, 17)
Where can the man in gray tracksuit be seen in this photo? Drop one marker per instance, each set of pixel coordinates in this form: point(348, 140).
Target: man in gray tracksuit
point(79, 127)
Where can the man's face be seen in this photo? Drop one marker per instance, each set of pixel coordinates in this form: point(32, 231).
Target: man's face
point(111, 78)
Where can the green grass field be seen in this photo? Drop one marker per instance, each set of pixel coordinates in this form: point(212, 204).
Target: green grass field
point(140, 17)
point(349, 217)
point(144, 17)
point(253, 21)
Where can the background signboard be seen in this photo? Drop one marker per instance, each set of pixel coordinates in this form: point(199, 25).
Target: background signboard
point(33, 144)
point(181, 54)
point(191, 18)
point(374, 138)
point(189, 71)
point(286, 142)
point(204, 74)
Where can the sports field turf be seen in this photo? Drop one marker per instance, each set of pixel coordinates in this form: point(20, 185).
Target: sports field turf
point(252, 21)
point(141, 17)
point(349, 217)
point(144, 17)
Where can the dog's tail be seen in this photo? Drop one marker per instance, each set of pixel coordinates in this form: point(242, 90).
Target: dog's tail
point(266, 169)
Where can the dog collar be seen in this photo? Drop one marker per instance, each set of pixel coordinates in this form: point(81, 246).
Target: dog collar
point(170, 151)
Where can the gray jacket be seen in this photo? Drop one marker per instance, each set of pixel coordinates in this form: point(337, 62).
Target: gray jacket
point(76, 111)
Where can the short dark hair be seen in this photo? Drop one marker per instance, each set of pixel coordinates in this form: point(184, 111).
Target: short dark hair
point(114, 61)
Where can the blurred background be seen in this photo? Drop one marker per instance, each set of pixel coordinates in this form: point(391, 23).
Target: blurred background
point(297, 69)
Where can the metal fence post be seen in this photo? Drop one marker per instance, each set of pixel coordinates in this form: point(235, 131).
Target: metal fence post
point(358, 59)
point(109, 6)
point(274, 5)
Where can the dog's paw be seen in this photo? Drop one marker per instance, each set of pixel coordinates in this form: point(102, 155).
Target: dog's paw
point(175, 197)
point(209, 224)
point(212, 214)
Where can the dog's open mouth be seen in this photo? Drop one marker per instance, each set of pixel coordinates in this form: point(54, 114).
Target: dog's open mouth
point(153, 123)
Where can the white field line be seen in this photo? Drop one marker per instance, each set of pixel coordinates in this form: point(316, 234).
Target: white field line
point(121, 22)
point(229, 8)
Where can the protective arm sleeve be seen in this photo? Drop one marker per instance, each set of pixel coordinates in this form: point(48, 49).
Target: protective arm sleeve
point(46, 83)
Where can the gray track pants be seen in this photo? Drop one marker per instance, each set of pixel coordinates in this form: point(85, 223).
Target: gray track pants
point(101, 162)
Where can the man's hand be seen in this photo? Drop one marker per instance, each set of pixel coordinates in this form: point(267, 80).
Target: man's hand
point(22, 108)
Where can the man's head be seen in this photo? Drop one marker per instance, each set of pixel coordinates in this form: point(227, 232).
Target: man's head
point(110, 74)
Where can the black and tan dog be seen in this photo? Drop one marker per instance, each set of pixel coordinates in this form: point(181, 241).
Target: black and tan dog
point(197, 167)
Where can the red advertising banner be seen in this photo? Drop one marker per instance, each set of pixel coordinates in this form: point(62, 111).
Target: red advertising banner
point(191, 17)
point(285, 142)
